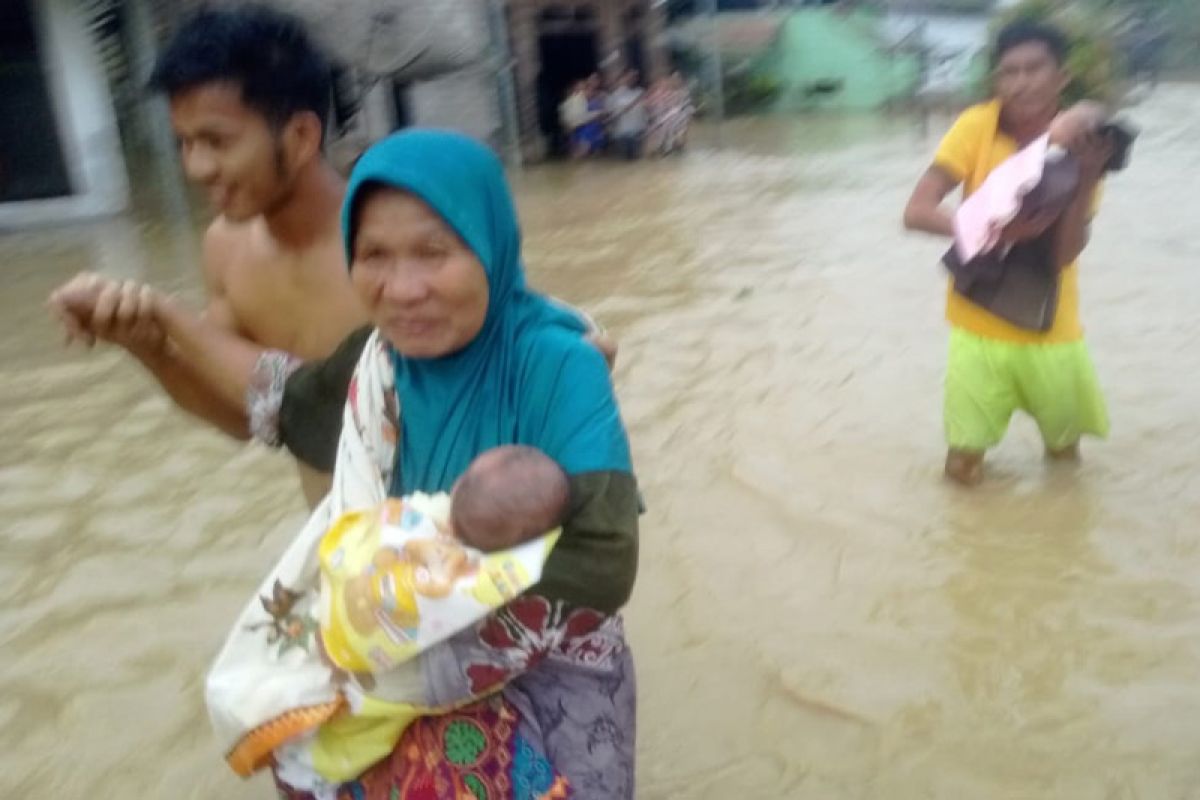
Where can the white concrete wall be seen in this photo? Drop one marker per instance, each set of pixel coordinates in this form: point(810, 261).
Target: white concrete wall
point(466, 101)
point(87, 124)
point(953, 41)
point(376, 118)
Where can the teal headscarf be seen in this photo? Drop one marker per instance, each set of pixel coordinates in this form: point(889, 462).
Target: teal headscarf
point(529, 377)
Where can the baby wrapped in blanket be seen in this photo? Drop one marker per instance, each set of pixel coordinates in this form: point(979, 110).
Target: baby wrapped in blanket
point(395, 581)
point(1018, 282)
point(370, 609)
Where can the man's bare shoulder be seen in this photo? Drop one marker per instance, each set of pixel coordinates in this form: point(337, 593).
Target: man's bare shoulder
point(298, 300)
point(227, 245)
point(228, 260)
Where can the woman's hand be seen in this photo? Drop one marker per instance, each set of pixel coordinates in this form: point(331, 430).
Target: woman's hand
point(606, 345)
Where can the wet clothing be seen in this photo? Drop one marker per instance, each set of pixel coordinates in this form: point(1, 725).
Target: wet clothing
point(987, 380)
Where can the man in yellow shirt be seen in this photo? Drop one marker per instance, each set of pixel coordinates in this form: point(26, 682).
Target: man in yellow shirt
point(994, 367)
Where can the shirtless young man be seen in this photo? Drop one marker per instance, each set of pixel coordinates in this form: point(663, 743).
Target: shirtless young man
point(249, 95)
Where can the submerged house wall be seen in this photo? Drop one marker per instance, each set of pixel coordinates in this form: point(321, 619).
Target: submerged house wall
point(487, 67)
point(824, 58)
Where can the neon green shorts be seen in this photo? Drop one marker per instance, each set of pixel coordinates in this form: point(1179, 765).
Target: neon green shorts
point(987, 380)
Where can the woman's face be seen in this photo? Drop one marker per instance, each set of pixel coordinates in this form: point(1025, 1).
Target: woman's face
point(425, 289)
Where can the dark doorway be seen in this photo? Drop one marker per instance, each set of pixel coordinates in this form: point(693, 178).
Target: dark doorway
point(401, 105)
point(567, 55)
point(31, 157)
point(635, 45)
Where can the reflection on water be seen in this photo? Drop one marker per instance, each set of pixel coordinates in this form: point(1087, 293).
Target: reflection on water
point(817, 615)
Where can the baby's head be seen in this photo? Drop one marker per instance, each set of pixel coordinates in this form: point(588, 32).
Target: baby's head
point(507, 496)
point(1079, 119)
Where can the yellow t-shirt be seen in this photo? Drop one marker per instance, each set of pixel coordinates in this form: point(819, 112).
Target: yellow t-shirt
point(970, 151)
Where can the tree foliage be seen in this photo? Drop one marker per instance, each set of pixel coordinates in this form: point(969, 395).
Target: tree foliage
point(1092, 59)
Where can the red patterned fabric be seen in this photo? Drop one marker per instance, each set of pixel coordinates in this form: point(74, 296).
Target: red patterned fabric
point(465, 755)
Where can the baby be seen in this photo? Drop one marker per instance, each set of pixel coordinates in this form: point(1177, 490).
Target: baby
point(323, 682)
point(1032, 188)
point(1002, 257)
point(1078, 120)
point(1057, 171)
point(394, 583)
point(1059, 179)
point(507, 496)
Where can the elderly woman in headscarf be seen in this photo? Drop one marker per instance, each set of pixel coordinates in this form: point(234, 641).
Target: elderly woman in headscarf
point(465, 358)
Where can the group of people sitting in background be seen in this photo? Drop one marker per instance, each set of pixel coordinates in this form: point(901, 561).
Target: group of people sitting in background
point(627, 120)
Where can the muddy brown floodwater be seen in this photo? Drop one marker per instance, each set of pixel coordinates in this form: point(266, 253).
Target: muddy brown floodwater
point(817, 615)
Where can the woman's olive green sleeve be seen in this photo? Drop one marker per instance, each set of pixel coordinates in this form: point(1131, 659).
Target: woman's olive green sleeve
point(594, 564)
point(314, 398)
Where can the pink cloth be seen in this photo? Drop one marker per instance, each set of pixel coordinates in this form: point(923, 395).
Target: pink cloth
point(983, 216)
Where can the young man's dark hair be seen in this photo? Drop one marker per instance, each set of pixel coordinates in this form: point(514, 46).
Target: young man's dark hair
point(269, 55)
point(1025, 31)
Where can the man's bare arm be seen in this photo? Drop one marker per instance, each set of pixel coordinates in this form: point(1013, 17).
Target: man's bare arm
point(924, 211)
point(181, 369)
point(92, 307)
point(176, 369)
point(1074, 227)
point(221, 361)
point(180, 381)
point(1073, 230)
